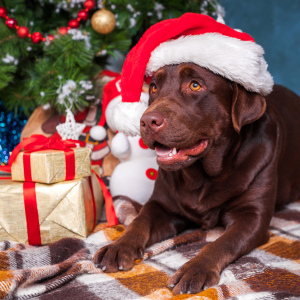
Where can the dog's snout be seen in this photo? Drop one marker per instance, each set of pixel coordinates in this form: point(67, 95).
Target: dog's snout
point(152, 120)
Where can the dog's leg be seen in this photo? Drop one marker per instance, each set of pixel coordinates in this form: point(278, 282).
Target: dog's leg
point(247, 221)
point(152, 225)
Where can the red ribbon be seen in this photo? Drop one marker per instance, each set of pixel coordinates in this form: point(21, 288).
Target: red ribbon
point(93, 200)
point(38, 142)
point(111, 216)
point(32, 215)
point(31, 212)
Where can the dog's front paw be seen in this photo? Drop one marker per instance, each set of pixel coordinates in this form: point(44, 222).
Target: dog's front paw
point(193, 276)
point(117, 256)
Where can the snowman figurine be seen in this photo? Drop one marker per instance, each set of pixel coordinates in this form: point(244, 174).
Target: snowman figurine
point(135, 176)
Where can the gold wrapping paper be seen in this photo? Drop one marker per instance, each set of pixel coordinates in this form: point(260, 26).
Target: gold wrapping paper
point(65, 209)
point(49, 166)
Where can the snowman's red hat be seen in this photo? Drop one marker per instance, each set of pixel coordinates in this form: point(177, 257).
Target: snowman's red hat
point(192, 38)
point(111, 90)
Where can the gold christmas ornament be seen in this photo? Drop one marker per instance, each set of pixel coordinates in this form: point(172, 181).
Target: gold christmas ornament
point(103, 21)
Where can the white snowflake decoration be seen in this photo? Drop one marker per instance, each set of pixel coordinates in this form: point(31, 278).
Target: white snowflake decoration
point(70, 129)
point(132, 22)
point(65, 91)
point(158, 8)
point(129, 7)
point(220, 19)
point(78, 35)
point(88, 85)
point(46, 106)
point(10, 59)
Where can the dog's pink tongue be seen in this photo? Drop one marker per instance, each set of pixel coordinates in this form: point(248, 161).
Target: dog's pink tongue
point(162, 150)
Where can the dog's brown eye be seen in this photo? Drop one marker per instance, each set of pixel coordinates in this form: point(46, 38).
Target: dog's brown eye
point(154, 88)
point(195, 86)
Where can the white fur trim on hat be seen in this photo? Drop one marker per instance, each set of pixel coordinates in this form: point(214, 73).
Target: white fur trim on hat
point(240, 61)
point(126, 115)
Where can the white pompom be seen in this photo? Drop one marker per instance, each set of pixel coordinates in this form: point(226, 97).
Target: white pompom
point(120, 147)
point(98, 133)
point(109, 112)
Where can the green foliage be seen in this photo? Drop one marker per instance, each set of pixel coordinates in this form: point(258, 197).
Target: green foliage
point(37, 74)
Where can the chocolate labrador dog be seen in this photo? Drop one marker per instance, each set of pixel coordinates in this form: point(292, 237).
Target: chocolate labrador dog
point(227, 157)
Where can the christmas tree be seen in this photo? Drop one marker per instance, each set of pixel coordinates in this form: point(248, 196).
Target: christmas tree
point(50, 52)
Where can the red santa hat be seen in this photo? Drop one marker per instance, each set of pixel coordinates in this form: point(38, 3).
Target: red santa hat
point(194, 38)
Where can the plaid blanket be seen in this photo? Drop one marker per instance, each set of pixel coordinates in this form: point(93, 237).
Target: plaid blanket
point(64, 270)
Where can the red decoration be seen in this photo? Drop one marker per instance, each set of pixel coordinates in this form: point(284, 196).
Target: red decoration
point(31, 213)
point(3, 12)
point(11, 22)
point(23, 32)
point(89, 4)
point(74, 23)
point(94, 203)
point(83, 15)
point(109, 205)
point(36, 37)
point(142, 144)
point(50, 37)
point(151, 174)
point(63, 30)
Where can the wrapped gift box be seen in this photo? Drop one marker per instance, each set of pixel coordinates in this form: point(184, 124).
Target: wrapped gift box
point(65, 209)
point(49, 166)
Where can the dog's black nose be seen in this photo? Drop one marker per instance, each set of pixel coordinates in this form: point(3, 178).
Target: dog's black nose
point(152, 120)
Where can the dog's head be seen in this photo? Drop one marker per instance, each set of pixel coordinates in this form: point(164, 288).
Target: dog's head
point(191, 111)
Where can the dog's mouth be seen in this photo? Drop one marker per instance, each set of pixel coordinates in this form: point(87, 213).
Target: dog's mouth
point(170, 155)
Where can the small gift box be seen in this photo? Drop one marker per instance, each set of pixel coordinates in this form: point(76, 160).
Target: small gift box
point(40, 214)
point(49, 160)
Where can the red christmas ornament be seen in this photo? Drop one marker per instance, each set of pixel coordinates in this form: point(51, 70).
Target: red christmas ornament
point(3, 12)
point(151, 174)
point(11, 22)
point(63, 30)
point(74, 23)
point(83, 15)
point(89, 4)
point(36, 37)
point(23, 32)
point(50, 37)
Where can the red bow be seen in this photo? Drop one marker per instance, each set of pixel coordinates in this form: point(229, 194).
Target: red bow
point(38, 142)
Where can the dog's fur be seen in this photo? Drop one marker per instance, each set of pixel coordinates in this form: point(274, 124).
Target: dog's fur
point(249, 166)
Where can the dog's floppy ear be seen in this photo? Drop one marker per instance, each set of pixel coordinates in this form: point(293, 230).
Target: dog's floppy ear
point(246, 107)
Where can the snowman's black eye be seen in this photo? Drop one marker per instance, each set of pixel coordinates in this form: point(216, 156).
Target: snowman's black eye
point(195, 86)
